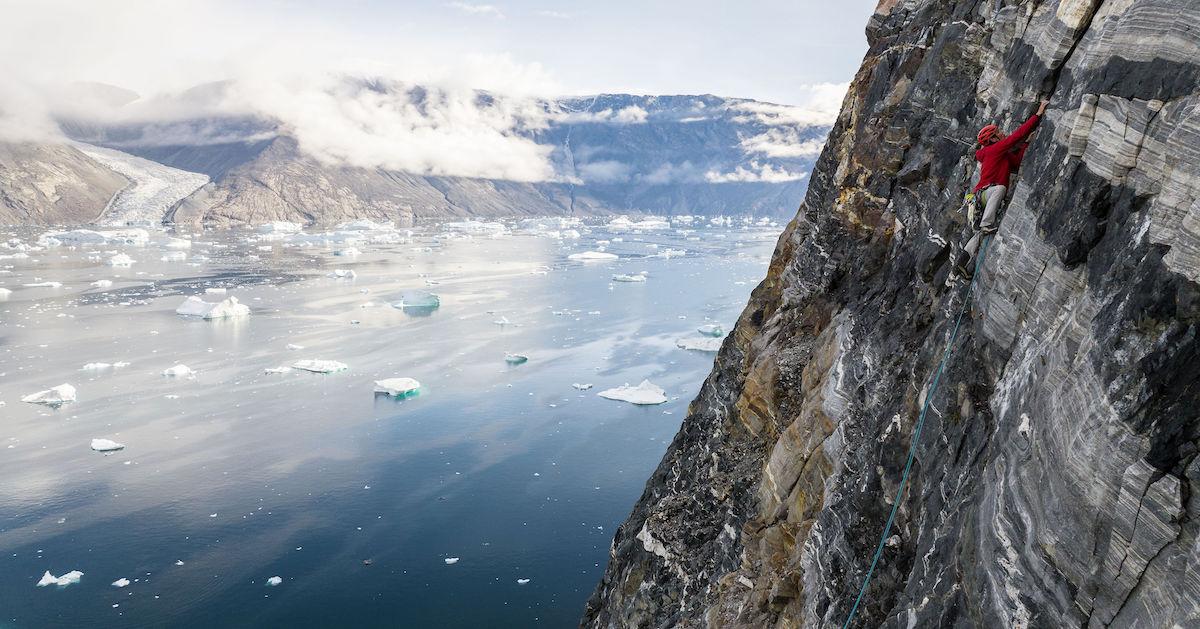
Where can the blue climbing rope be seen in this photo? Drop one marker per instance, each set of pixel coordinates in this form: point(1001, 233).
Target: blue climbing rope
point(916, 438)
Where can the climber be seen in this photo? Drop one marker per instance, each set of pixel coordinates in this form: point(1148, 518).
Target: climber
point(999, 156)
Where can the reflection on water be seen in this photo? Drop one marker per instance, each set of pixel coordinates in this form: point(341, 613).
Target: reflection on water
point(355, 500)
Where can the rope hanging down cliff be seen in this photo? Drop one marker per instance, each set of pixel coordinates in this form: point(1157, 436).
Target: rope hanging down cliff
point(916, 438)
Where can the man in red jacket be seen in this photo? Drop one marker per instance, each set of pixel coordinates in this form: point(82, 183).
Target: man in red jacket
point(999, 157)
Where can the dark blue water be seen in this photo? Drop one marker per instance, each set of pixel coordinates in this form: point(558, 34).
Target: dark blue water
point(242, 475)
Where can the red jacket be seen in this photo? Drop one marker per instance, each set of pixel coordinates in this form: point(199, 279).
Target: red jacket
point(1001, 159)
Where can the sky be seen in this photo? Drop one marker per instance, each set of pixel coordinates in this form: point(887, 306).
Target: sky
point(289, 60)
point(762, 49)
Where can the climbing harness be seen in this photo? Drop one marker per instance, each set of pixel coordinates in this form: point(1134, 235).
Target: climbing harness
point(916, 438)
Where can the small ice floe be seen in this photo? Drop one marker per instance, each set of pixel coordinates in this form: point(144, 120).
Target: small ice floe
point(280, 227)
point(588, 256)
point(179, 371)
point(450, 561)
point(96, 367)
point(343, 274)
point(195, 307)
point(637, 277)
point(643, 394)
point(69, 578)
point(106, 445)
point(294, 347)
point(711, 329)
point(516, 359)
point(122, 582)
point(174, 256)
point(348, 252)
point(5, 292)
point(178, 243)
point(417, 302)
point(522, 581)
point(179, 562)
point(276, 370)
point(56, 396)
point(582, 387)
point(398, 387)
point(216, 290)
point(320, 366)
point(102, 283)
point(120, 260)
point(706, 344)
point(44, 285)
point(273, 581)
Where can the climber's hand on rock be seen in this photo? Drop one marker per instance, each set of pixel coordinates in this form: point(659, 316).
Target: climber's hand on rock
point(1042, 107)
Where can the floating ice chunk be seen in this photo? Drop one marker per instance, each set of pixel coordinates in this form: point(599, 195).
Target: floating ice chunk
point(106, 445)
point(476, 227)
point(174, 256)
point(348, 252)
point(644, 393)
point(44, 285)
point(120, 260)
point(320, 366)
point(522, 581)
point(343, 274)
point(670, 253)
point(516, 359)
point(96, 366)
point(179, 562)
point(195, 307)
point(57, 396)
point(5, 292)
point(418, 302)
point(122, 582)
point(637, 277)
point(582, 387)
point(707, 344)
point(588, 256)
point(711, 329)
point(273, 581)
point(363, 224)
point(69, 578)
point(179, 370)
point(89, 237)
point(216, 290)
point(102, 283)
point(276, 370)
point(178, 243)
point(450, 561)
point(280, 227)
point(398, 387)
point(293, 346)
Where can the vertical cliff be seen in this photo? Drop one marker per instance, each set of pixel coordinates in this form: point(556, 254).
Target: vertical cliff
point(1052, 485)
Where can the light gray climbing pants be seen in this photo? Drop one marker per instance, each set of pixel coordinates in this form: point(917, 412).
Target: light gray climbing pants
point(993, 197)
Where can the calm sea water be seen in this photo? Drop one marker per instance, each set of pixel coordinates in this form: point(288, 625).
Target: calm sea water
point(234, 476)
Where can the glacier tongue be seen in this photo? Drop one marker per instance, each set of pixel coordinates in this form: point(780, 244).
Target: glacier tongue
point(153, 188)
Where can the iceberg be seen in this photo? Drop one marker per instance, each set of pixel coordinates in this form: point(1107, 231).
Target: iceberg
point(122, 582)
point(522, 581)
point(642, 394)
point(583, 386)
point(706, 344)
point(516, 359)
point(418, 302)
point(179, 370)
point(106, 445)
point(637, 277)
point(136, 237)
point(398, 387)
point(5, 292)
point(69, 578)
point(343, 274)
point(57, 396)
point(195, 307)
point(178, 243)
point(587, 256)
point(280, 227)
point(173, 256)
point(711, 329)
point(319, 366)
point(273, 581)
point(450, 561)
point(102, 283)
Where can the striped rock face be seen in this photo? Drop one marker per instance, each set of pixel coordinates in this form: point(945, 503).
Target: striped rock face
point(1052, 485)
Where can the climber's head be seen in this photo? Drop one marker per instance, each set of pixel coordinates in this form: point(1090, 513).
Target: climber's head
point(989, 134)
